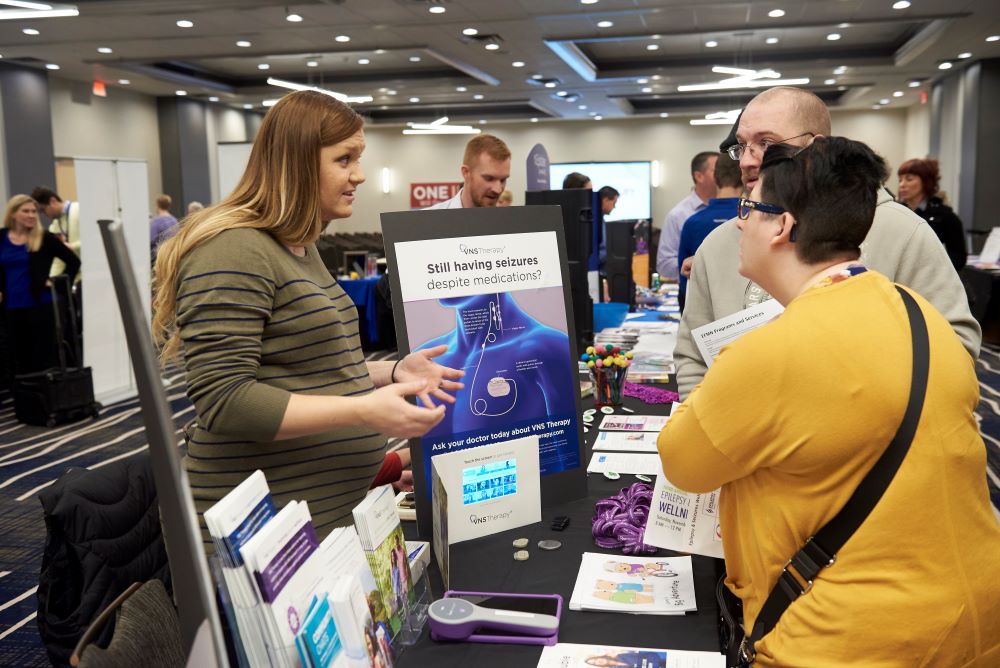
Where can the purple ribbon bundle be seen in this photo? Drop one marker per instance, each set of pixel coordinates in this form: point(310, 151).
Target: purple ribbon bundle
point(620, 520)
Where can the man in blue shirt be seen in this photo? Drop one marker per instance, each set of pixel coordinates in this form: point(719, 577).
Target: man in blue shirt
point(719, 209)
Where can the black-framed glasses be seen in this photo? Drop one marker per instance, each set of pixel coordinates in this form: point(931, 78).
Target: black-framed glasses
point(758, 147)
point(748, 205)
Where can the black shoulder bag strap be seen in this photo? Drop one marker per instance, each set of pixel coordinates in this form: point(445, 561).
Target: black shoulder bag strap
point(821, 550)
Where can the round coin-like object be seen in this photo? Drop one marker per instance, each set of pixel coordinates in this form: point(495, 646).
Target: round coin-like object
point(521, 543)
point(588, 418)
point(521, 555)
point(590, 411)
point(549, 544)
point(611, 475)
point(607, 410)
point(644, 478)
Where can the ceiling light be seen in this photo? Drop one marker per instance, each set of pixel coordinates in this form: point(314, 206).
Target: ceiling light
point(534, 120)
point(642, 81)
point(471, 32)
point(293, 17)
point(123, 82)
point(268, 103)
point(363, 61)
point(711, 44)
point(185, 23)
point(414, 99)
point(833, 37)
point(717, 118)
point(263, 66)
point(248, 106)
point(562, 93)
point(605, 24)
point(492, 46)
point(536, 77)
point(829, 82)
point(771, 40)
point(550, 84)
point(652, 47)
point(30, 31)
point(291, 85)
point(965, 55)
point(841, 88)
point(944, 66)
point(884, 100)
point(312, 63)
point(647, 90)
point(993, 38)
point(51, 66)
point(655, 36)
point(876, 107)
point(436, 9)
point(482, 121)
point(664, 114)
point(901, 4)
point(461, 89)
point(776, 13)
point(844, 25)
point(743, 78)
point(897, 93)
point(517, 63)
point(478, 96)
point(213, 99)
point(656, 77)
point(379, 52)
point(243, 44)
point(181, 93)
point(390, 92)
point(104, 49)
point(342, 38)
point(914, 84)
point(598, 118)
point(582, 107)
point(840, 70)
point(24, 9)
point(588, 2)
point(414, 59)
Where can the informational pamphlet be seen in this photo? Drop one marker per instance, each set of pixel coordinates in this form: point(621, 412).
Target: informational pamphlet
point(624, 441)
point(682, 521)
point(991, 249)
point(649, 585)
point(653, 423)
point(624, 462)
point(570, 655)
point(711, 338)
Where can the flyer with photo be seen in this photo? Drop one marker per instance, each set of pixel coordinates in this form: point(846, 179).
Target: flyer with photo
point(571, 655)
point(625, 583)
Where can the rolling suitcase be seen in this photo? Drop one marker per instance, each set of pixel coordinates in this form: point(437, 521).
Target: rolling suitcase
point(60, 394)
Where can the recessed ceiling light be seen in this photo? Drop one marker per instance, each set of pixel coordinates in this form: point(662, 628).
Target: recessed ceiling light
point(582, 107)
point(248, 106)
point(536, 77)
point(642, 81)
point(593, 113)
point(123, 82)
point(901, 4)
point(588, 2)
point(414, 99)
point(185, 23)
point(833, 37)
point(841, 88)
point(30, 31)
point(342, 38)
point(914, 84)
point(379, 52)
point(652, 47)
point(844, 25)
point(363, 61)
point(771, 40)
point(534, 120)
point(213, 99)
point(993, 38)
point(840, 70)
point(263, 66)
point(944, 66)
point(51, 66)
point(562, 93)
point(312, 63)
point(461, 89)
point(647, 90)
point(711, 44)
point(605, 24)
point(243, 44)
point(181, 93)
point(884, 100)
point(664, 114)
point(598, 117)
point(897, 93)
point(876, 107)
point(482, 121)
point(656, 77)
point(655, 36)
point(829, 82)
point(776, 13)
point(107, 49)
point(414, 59)
point(390, 92)
point(293, 17)
point(517, 63)
point(436, 9)
point(470, 32)
point(964, 55)
point(550, 84)
point(478, 96)
point(492, 46)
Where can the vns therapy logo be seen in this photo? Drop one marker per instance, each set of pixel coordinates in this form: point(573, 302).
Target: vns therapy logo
point(479, 250)
point(483, 519)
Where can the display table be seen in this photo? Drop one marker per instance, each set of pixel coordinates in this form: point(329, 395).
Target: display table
point(487, 565)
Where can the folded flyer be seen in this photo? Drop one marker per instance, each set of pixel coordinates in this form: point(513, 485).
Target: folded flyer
point(649, 585)
point(570, 655)
point(682, 521)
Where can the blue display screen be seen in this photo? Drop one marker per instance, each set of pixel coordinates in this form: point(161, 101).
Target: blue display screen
point(489, 481)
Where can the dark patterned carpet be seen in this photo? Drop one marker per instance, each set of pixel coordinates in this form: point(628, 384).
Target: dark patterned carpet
point(31, 458)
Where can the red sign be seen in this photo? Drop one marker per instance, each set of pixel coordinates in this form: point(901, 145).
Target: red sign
point(423, 195)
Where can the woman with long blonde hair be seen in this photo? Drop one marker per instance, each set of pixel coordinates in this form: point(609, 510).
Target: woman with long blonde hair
point(26, 255)
point(270, 340)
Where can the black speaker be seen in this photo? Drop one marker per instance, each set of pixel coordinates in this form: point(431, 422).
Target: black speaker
point(620, 245)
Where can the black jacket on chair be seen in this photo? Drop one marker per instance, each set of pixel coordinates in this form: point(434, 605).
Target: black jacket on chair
point(948, 228)
point(40, 263)
point(103, 534)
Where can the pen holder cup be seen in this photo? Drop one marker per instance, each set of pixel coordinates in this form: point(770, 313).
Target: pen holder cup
point(609, 385)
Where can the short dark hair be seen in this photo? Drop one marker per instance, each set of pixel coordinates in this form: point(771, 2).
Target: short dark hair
point(731, 139)
point(727, 172)
point(575, 180)
point(831, 187)
point(699, 161)
point(607, 192)
point(43, 195)
point(925, 170)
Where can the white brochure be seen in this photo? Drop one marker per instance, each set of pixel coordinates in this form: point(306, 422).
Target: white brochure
point(652, 423)
point(488, 489)
point(571, 655)
point(624, 462)
point(991, 249)
point(683, 522)
point(637, 585)
point(711, 338)
point(623, 441)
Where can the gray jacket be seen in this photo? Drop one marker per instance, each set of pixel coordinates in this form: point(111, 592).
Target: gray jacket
point(900, 245)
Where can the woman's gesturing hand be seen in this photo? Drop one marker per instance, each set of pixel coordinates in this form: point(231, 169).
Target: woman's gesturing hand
point(440, 379)
point(387, 411)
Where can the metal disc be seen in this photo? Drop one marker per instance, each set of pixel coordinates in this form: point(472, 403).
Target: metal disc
point(549, 544)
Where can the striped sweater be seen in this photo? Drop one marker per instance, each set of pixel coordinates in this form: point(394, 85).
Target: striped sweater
point(258, 323)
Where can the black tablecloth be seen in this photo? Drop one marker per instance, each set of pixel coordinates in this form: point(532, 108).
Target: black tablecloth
point(487, 565)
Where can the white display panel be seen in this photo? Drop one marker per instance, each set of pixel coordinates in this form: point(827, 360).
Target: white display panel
point(632, 180)
point(232, 163)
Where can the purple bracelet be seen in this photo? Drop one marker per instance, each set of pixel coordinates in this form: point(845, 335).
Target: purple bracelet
point(620, 520)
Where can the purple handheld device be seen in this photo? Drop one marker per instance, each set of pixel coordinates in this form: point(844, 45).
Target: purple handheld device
point(457, 619)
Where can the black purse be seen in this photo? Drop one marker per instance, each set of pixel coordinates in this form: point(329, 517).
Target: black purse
point(821, 549)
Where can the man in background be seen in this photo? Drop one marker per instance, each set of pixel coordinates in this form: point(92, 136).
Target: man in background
point(65, 222)
point(719, 209)
point(702, 169)
point(609, 200)
point(162, 226)
point(485, 170)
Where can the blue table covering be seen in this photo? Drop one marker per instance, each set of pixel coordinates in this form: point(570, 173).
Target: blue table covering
point(362, 293)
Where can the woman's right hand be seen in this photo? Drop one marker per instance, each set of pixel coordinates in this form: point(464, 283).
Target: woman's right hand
point(387, 411)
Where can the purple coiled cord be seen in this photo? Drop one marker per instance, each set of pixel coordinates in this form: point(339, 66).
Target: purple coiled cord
point(619, 521)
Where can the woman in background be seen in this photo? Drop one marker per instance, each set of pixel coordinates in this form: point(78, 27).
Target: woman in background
point(26, 254)
point(918, 189)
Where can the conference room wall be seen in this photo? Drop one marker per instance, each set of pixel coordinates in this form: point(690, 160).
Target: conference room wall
point(896, 134)
point(225, 124)
point(121, 125)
